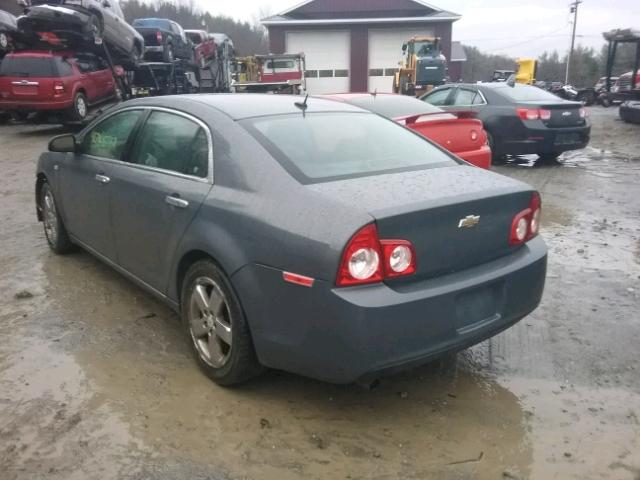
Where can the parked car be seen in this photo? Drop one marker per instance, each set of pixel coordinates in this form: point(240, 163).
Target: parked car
point(290, 232)
point(601, 84)
point(85, 21)
point(8, 28)
point(54, 82)
point(519, 119)
point(457, 132)
point(164, 39)
point(205, 47)
point(630, 111)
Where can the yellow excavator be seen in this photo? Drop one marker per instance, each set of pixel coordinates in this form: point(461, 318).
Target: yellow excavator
point(424, 66)
point(525, 73)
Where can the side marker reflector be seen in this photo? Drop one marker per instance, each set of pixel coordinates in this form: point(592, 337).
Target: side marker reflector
point(298, 279)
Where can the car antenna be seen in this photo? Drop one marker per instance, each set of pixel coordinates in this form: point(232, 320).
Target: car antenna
point(302, 105)
point(375, 93)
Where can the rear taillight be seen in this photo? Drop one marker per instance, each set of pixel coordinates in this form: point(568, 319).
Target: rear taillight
point(367, 259)
point(159, 37)
point(583, 112)
point(544, 114)
point(526, 224)
point(534, 113)
point(528, 113)
point(58, 88)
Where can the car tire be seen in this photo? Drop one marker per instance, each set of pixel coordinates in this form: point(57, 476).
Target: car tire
point(216, 327)
point(54, 229)
point(168, 53)
point(496, 159)
point(4, 41)
point(78, 112)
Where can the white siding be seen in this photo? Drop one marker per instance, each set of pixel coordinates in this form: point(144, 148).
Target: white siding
point(325, 52)
point(385, 51)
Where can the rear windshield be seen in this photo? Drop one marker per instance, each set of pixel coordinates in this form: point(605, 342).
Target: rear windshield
point(320, 147)
point(392, 106)
point(34, 67)
point(152, 23)
point(525, 93)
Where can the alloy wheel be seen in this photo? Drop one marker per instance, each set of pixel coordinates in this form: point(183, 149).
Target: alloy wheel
point(81, 107)
point(50, 219)
point(210, 322)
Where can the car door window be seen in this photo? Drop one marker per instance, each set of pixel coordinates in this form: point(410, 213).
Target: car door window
point(465, 97)
point(174, 143)
point(86, 64)
point(438, 97)
point(109, 138)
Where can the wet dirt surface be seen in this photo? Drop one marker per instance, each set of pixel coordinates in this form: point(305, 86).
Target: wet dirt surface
point(97, 382)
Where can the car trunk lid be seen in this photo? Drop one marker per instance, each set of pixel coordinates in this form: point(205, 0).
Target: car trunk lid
point(27, 78)
point(151, 36)
point(563, 114)
point(455, 217)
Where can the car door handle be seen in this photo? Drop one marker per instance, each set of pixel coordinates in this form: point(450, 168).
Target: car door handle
point(102, 178)
point(176, 202)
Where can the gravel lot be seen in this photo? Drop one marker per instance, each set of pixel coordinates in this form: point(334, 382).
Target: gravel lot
point(96, 382)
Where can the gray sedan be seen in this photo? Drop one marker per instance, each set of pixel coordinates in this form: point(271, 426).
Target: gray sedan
point(304, 235)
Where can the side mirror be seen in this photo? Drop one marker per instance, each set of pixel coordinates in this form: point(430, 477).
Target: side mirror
point(63, 144)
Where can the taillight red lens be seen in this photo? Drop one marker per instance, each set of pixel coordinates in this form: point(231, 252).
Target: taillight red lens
point(361, 258)
point(159, 37)
point(526, 224)
point(399, 258)
point(528, 113)
point(58, 87)
point(544, 114)
point(367, 259)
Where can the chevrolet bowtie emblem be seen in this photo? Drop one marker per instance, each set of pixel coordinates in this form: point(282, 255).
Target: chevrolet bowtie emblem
point(469, 221)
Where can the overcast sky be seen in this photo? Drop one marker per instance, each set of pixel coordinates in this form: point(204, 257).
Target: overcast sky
point(513, 27)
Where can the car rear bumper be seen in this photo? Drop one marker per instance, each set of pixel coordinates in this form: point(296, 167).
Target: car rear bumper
point(549, 140)
point(630, 111)
point(34, 105)
point(340, 335)
point(480, 157)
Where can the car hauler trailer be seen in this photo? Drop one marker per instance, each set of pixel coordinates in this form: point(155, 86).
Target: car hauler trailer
point(282, 73)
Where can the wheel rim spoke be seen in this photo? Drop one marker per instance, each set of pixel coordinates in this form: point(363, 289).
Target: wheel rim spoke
point(215, 302)
point(223, 331)
point(201, 298)
point(215, 351)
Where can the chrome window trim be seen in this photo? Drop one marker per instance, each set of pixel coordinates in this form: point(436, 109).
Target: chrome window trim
point(208, 179)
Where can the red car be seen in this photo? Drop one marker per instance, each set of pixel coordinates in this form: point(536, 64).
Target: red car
point(458, 132)
point(50, 81)
point(204, 46)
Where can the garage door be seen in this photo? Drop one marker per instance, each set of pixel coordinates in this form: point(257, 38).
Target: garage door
point(327, 58)
point(385, 51)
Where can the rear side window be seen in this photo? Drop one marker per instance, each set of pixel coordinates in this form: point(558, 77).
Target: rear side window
point(329, 146)
point(28, 67)
point(465, 97)
point(439, 97)
point(109, 138)
point(152, 23)
point(174, 143)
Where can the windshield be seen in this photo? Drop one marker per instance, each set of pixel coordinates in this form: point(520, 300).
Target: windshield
point(152, 23)
point(394, 106)
point(426, 48)
point(526, 93)
point(329, 146)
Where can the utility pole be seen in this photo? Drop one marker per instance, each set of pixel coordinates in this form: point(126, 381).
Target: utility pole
point(574, 10)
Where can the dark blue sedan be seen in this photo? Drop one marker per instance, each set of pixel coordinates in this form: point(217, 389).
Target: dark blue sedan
point(304, 235)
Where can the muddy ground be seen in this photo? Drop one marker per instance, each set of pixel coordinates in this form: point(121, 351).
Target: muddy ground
point(97, 383)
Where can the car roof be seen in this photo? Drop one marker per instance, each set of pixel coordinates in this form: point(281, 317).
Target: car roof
point(42, 53)
point(240, 106)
